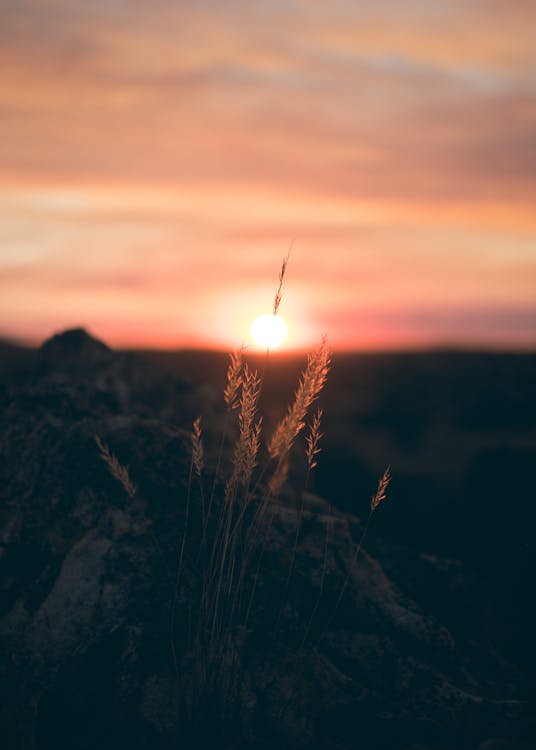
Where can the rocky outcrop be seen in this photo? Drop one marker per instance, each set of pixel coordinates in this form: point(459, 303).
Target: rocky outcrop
point(86, 580)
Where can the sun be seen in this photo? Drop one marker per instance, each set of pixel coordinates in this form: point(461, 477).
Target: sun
point(269, 330)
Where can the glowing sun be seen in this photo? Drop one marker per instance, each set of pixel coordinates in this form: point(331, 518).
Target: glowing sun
point(269, 330)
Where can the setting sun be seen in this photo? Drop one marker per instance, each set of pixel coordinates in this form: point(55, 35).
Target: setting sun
point(269, 330)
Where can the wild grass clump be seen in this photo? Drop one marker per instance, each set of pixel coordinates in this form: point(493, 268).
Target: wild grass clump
point(236, 515)
point(221, 544)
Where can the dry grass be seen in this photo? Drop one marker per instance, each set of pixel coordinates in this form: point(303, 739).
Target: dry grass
point(197, 447)
point(381, 492)
point(311, 383)
point(231, 551)
point(248, 443)
point(232, 527)
point(279, 292)
point(231, 393)
point(116, 469)
point(313, 440)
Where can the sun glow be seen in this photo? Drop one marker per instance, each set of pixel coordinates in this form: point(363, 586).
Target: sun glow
point(268, 331)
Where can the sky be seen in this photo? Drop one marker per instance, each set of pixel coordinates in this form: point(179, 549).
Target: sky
point(157, 160)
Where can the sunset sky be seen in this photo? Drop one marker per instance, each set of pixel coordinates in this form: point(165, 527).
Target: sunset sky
point(158, 158)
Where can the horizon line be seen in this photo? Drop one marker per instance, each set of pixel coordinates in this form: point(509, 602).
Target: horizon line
point(431, 347)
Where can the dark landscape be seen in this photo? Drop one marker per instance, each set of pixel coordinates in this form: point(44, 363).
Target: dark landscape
point(323, 540)
point(431, 645)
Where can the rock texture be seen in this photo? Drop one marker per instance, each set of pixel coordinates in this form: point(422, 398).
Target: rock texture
point(86, 584)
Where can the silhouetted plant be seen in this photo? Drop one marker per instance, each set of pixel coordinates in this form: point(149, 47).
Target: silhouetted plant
point(233, 524)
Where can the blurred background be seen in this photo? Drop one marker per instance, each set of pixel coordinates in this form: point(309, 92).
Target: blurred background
point(157, 160)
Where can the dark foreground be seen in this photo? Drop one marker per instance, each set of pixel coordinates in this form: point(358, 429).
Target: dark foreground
point(431, 646)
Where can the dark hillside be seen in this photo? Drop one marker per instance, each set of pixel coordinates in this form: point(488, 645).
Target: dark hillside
point(430, 645)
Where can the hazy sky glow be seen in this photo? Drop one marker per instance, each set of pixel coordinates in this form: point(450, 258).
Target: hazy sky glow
point(157, 159)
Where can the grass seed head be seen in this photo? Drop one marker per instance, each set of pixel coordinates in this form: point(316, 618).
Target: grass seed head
point(279, 477)
point(313, 439)
point(234, 379)
point(278, 294)
point(116, 469)
point(311, 383)
point(197, 447)
point(247, 447)
point(381, 492)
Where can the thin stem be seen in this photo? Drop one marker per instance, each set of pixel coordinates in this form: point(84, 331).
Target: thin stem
point(179, 566)
point(322, 580)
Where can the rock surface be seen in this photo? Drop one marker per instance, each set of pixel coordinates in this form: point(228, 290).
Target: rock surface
point(86, 582)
